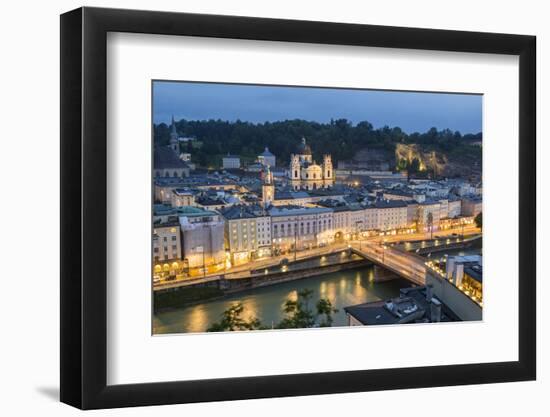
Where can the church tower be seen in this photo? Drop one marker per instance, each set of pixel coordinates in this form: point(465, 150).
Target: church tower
point(174, 143)
point(268, 188)
point(328, 172)
point(295, 171)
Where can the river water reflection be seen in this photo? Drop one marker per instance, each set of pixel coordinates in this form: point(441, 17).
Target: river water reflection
point(342, 288)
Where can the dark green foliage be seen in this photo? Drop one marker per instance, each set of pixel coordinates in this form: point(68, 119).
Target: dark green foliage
point(414, 166)
point(402, 165)
point(161, 134)
point(300, 315)
point(340, 138)
point(232, 321)
point(324, 308)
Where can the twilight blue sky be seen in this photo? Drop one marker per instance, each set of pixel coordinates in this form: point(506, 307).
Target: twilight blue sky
point(412, 112)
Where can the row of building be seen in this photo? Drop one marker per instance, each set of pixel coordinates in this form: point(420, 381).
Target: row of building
point(204, 238)
point(212, 221)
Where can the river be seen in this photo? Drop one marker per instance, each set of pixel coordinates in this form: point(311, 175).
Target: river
point(343, 288)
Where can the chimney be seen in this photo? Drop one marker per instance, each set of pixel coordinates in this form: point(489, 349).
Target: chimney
point(435, 310)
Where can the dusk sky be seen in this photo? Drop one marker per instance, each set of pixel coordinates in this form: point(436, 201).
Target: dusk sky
point(412, 112)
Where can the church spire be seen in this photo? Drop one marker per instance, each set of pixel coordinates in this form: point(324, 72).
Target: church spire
point(174, 142)
point(173, 131)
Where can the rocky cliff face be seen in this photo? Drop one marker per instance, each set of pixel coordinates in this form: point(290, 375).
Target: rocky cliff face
point(464, 163)
point(371, 159)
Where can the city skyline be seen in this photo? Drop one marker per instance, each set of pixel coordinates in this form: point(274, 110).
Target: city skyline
point(411, 111)
point(301, 225)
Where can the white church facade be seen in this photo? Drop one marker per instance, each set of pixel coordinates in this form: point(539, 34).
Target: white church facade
point(306, 174)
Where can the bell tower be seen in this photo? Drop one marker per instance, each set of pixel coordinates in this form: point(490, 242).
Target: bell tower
point(174, 143)
point(295, 171)
point(268, 188)
point(328, 172)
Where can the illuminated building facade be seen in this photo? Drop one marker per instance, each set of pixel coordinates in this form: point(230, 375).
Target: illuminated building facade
point(294, 227)
point(306, 174)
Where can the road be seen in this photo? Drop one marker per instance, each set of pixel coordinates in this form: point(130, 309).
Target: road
point(408, 265)
point(405, 264)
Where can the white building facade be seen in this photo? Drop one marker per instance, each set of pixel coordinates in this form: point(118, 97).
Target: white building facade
point(231, 162)
point(300, 228)
point(306, 174)
point(266, 158)
point(166, 243)
point(203, 239)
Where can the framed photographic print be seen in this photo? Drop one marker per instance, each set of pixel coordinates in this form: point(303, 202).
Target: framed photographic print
point(257, 208)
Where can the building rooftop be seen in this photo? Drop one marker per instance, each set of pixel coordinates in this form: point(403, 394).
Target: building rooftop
point(329, 192)
point(371, 313)
point(209, 201)
point(335, 205)
point(266, 153)
point(473, 199)
point(182, 191)
point(411, 306)
point(389, 204)
point(429, 203)
point(240, 212)
point(303, 148)
point(296, 210)
point(399, 192)
point(164, 210)
point(475, 271)
point(170, 223)
point(287, 195)
point(165, 158)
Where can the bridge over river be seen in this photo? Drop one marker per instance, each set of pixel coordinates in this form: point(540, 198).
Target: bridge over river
point(406, 265)
point(409, 265)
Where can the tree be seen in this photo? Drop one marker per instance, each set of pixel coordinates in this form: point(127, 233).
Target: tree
point(414, 165)
point(340, 138)
point(479, 220)
point(324, 308)
point(300, 315)
point(232, 321)
point(402, 164)
point(430, 222)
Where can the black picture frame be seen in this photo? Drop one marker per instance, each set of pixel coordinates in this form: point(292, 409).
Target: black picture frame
point(84, 207)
